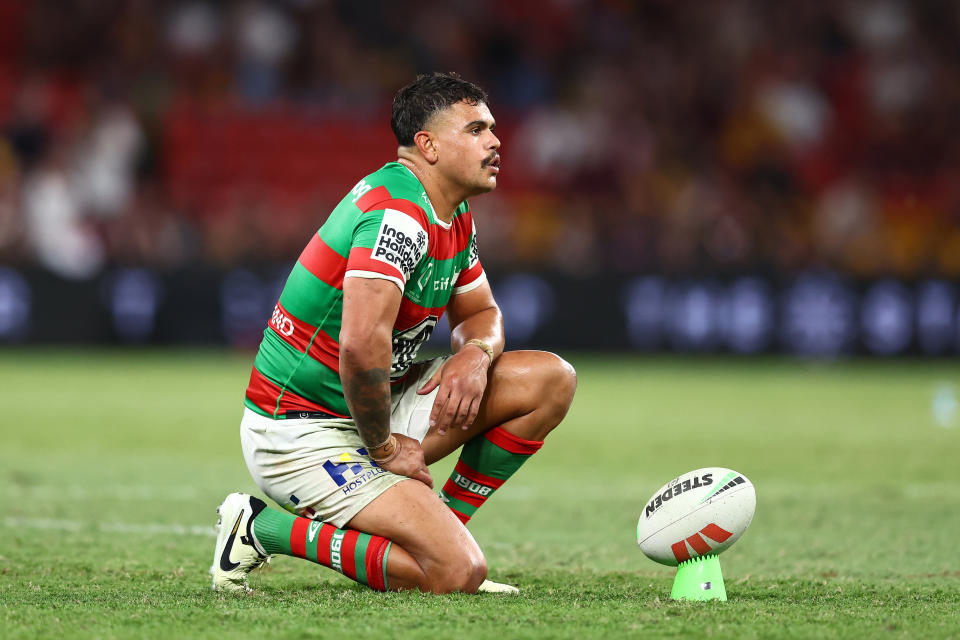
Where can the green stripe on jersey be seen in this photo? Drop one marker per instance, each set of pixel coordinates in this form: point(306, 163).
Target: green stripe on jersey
point(301, 374)
point(310, 299)
point(314, 302)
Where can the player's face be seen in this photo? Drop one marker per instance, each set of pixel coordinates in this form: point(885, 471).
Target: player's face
point(467, 151)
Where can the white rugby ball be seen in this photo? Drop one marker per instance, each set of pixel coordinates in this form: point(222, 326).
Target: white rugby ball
point(701, 512)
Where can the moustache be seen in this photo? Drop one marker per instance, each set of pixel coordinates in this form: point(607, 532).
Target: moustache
point(493, 158)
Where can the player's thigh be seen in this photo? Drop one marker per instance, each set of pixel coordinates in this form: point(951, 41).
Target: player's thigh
point(410, 411)
point(311, 468)
point(412, 516)
point(522, 381)
point(519, 382)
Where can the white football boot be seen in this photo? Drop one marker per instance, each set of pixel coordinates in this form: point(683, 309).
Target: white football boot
point(237, 552)
point(489, 586)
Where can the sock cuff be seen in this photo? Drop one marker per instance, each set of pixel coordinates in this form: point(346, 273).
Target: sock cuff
point(514, 444)
point(271, 530)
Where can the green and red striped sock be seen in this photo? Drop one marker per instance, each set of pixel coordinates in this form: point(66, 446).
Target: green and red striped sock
point(359, 556)
point(485, 463)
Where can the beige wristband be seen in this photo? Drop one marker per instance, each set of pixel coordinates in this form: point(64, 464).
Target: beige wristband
point(388, 450)
point(487, 349)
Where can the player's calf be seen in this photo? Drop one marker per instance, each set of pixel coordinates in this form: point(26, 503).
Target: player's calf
point(250, 531)
point(359, 556)
point(530, 393)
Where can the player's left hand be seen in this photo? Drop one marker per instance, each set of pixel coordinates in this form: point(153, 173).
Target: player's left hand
point(462, 380)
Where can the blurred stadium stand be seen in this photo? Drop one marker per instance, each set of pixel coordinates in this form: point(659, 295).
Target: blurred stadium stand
point(734, 176)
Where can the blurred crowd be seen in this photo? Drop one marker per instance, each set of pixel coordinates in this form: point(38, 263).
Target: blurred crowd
point(667, 136)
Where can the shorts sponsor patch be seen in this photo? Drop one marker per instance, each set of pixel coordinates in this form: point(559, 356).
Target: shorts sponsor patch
point(349, 475)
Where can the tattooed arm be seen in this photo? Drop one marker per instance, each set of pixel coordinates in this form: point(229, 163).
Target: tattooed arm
point(370, 309)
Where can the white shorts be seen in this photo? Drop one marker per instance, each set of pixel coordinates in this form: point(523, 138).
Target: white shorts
point(314, 467)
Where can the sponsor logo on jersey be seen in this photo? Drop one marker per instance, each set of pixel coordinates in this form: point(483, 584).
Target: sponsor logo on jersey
point(281, 322)
point(474, 253)
point(425, 276)
point(360, 190)
point(676, 488)
point(312, 531)
point(400, 242)
point(407, 343)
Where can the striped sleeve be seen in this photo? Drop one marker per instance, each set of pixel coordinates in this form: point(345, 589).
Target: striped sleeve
point(472, 275)
point(387, 244)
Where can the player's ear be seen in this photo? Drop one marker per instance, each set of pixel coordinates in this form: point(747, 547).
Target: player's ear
point(426, 145)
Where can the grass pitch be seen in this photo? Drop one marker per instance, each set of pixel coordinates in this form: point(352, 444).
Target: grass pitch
point(112, 463)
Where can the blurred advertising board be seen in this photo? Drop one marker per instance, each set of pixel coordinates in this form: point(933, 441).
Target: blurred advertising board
point(818, 314)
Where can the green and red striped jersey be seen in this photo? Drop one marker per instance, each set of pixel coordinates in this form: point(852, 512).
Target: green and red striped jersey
point(384, 228)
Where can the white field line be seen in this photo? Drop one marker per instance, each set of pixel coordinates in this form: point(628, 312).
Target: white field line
point(115, 492)
point(127, 528)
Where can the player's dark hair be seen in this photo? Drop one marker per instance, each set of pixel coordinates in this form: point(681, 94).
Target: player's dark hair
point(421, 99)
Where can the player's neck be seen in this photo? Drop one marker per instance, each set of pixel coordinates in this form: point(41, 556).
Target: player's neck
point(444, 197)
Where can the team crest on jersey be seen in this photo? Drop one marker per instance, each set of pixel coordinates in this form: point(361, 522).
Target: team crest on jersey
point(400, 242)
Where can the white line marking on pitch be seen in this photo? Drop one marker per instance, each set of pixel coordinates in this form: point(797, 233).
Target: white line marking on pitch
point(128, 492)
point(144, 528)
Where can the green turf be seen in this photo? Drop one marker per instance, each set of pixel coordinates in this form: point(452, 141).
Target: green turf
point(111, 464)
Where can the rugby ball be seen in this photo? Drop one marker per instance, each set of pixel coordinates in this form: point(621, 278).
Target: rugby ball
point(701, 512)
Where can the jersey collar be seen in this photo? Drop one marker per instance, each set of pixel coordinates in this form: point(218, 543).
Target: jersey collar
point(423, 196)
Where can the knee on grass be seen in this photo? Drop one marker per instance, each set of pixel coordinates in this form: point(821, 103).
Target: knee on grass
point(464, 576)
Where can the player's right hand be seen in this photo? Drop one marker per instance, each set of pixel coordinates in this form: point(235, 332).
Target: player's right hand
point(409, 461)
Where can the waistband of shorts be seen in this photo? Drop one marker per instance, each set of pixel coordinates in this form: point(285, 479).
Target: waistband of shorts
point(308, 415)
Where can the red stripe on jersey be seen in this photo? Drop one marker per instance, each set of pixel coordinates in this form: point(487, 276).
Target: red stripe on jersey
point(263, 393)
point(371, 198)
point(409, 208)
point(699, 544)
point(323, 544)
point(469, 275)
point(326, 350)
point(463, 469)
point(298, 537)
point(379, 199)
point(323, 262)
point(303, 336)
point(446, 243)
point(460, 516)
point(376, 549)
point(348, 552)
point(514, 444)
point(680, 551)
point(360, 260)
point(411, 314)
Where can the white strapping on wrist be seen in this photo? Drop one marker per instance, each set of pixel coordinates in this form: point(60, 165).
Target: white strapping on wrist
point(487, 349)
point(392, 447)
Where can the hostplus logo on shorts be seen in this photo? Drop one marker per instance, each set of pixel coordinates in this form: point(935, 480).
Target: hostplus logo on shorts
point(351, 475)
